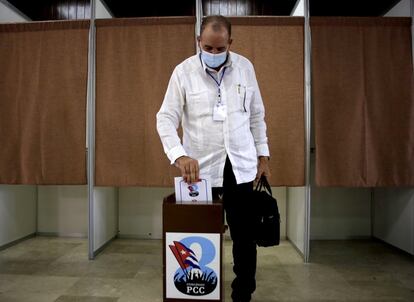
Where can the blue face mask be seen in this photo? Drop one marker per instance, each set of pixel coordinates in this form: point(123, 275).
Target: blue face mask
point(213, 60)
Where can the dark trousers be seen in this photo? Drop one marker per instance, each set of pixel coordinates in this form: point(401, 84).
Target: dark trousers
point(238, 207)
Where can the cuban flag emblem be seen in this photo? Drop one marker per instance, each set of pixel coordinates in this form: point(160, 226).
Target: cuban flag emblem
point(192, 278)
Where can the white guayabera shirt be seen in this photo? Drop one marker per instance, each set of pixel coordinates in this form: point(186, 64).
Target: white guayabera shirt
point(190, 98)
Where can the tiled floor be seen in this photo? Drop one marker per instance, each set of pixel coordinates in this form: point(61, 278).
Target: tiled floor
point(46, 269)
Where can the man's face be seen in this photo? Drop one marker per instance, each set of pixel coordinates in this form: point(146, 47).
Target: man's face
point(214, 41)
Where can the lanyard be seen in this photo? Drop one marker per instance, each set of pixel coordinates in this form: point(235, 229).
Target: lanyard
point(218, 83)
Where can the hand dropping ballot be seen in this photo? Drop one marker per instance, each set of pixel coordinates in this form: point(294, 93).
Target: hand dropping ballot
point(194, 193)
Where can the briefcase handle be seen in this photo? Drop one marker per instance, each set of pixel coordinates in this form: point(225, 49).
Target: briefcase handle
point(263, 183)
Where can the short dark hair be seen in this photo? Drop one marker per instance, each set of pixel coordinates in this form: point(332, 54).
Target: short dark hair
point(218, 22)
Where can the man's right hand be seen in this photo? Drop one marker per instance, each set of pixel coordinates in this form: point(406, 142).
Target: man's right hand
point(189, 168)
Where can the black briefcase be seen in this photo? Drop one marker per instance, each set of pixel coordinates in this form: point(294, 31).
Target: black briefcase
point(267, 217)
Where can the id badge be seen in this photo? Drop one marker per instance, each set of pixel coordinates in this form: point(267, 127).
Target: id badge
point(220, 112)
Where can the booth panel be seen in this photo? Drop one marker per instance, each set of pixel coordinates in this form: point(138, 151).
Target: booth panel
point(17, 212)
point(135, 59)
point(105, 216)
point(62, 211)
point(393, 210)
point(364, 111)
point(275, 46)
point(43, 102)
point(295, 217)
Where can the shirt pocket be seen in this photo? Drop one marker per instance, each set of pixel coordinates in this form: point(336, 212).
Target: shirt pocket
point(245, 96)
point(199, 103)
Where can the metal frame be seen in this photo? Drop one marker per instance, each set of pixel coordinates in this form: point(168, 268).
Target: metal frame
point(199, 18)
point(91, 128)
point(307, 110)
point(412, 30)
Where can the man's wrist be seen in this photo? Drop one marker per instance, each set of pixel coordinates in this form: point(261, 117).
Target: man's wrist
point(175, 153)
point(177, 161)
point(264, 158)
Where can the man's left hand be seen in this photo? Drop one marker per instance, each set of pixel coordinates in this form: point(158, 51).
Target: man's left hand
point(263, 167)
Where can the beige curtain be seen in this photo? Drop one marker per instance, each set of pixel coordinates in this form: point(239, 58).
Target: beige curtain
point(362, 79)
point(275, 47)
point(135, 59)
point(43, 102)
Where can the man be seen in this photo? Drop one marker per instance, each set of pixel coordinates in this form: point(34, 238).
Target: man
point(215, 96)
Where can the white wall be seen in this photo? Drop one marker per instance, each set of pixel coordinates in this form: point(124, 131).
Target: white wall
point(295, 216)
point(140, 212)
point(17, 212)
point(63, 210)
point(340, 213)
point(280, 193)
point(10, 14)
point(394, 217)
point(105, 215)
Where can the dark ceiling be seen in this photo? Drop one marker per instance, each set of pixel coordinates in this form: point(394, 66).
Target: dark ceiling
point(80, 9)
point(249, 7)
point(53, 9)
point(373, 8)
point(210, 7)
point(124, 9)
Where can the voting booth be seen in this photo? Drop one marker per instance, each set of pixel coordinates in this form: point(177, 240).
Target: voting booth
point(192, 250)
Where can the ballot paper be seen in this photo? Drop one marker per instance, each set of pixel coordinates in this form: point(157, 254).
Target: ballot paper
point(194, 193)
